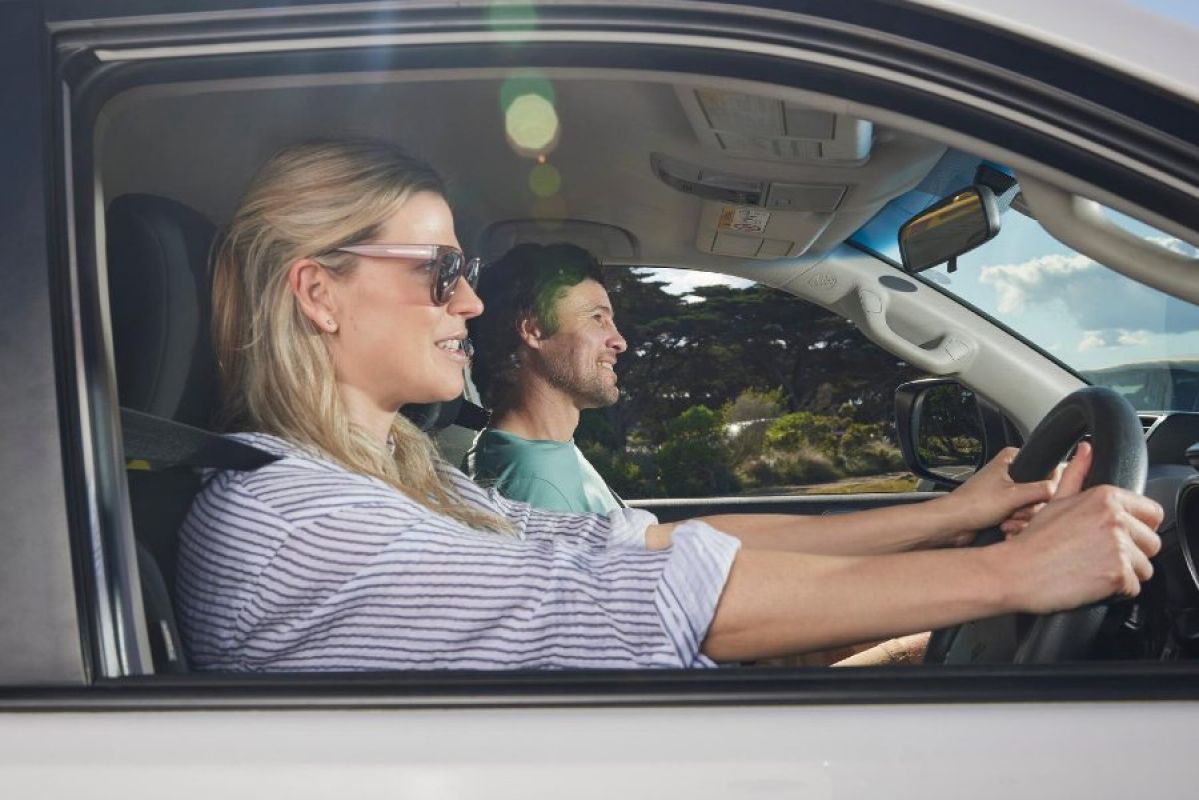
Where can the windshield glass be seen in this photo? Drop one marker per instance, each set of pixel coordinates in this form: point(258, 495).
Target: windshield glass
point(1107, 327)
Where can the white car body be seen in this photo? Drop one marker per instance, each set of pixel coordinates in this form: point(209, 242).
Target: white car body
point(1061, 731)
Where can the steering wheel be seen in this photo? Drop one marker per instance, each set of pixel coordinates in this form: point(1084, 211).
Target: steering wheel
point(1120, 459)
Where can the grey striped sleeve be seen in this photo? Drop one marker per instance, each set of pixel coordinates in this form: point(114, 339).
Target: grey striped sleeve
point(304, 566)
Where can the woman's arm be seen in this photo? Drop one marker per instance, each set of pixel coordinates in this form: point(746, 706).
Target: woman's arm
point(988, 498)
point(1078, 550)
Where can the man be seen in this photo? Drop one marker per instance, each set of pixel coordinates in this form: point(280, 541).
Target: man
point(546, 348)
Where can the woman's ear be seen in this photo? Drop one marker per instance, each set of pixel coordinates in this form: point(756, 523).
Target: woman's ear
point(530, 333)
point(312, 286)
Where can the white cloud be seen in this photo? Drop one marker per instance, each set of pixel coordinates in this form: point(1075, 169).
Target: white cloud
point(1111, 310)
point(1017, 283)
point(1133, 337)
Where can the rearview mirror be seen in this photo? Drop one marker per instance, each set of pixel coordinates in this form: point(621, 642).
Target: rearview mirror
point(956, 225)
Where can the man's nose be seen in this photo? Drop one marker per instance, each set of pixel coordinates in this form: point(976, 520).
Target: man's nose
point(617, 342)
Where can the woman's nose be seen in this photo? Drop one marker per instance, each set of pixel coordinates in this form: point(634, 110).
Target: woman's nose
point(465, 301)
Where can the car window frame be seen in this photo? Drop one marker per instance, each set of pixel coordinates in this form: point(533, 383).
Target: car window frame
point(86, 82)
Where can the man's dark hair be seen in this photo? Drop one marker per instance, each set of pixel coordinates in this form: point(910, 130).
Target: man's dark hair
point(525, 284)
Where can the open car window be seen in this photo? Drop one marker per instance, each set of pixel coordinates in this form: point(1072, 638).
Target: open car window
point(773, 386)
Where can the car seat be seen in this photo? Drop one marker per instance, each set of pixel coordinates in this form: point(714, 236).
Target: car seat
point(158, 294)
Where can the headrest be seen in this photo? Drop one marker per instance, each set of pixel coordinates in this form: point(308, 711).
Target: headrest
point(158, 288)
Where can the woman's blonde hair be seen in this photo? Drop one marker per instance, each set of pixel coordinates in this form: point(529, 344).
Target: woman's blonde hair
point(276, 370)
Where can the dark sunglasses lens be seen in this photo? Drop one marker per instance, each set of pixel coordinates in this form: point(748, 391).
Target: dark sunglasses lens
point(449, 268)
point(472, 272)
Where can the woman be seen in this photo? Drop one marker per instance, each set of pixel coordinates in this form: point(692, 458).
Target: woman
point(339, 298)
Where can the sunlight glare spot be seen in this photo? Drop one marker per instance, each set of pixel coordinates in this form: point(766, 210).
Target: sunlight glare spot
point(531, 124)
point(545, 180)
point(504, 15)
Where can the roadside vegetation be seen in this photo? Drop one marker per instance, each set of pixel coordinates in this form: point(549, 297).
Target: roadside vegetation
point(743, 391)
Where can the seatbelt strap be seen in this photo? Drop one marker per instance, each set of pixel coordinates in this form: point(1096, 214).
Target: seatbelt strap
point(472, 416)
point(164, 443)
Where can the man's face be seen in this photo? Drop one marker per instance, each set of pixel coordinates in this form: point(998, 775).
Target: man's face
point(579, 359)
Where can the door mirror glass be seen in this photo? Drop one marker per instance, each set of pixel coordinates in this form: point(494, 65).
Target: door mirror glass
point(949, 432)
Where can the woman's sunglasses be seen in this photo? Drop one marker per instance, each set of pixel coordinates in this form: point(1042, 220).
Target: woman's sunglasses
point(447, 264)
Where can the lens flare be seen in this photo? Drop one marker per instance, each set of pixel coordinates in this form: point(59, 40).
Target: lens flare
point(531, 124)
point(545, 180)
point(524, 83)
point(550, 212)
point(512, 16)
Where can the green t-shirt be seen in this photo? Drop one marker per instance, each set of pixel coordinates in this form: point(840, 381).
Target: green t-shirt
point(544, 473)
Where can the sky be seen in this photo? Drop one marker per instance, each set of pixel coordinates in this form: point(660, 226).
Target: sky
point(1088, 316)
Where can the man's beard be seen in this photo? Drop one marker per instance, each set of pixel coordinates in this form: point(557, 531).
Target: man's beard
point(589, 391)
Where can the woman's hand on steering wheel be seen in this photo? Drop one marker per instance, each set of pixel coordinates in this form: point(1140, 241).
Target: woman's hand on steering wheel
point(991, 498)
point(1082, 548)
point(1067, 480)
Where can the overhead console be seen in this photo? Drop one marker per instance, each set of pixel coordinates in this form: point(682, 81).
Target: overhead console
point(779, 200)
point(768, 129)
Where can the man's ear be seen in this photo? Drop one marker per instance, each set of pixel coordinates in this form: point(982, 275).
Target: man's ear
point(530, 333)
point(312, 286)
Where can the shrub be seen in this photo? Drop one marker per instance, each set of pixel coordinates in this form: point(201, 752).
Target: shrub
point(805, 429)
point(753, 405)
point(807, 465)
point(694, 460)
point(749, 441)
point(629, 475)
point(873, 457)
point(777, 469)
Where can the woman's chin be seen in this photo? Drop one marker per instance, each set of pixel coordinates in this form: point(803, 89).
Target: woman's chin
point(440, 394)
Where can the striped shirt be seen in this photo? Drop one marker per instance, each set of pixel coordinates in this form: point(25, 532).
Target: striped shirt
point(302, 565)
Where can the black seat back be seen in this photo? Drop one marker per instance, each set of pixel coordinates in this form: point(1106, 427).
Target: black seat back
point(158, 253)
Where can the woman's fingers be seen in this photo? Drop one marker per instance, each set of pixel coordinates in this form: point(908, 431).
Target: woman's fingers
point(1075, 472)
point(1093, 545)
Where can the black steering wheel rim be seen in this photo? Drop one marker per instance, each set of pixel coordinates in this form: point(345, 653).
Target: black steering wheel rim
point(1120, 459)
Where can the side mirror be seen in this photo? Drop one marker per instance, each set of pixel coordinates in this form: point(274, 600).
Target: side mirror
point(952, 227)
point(946, 432)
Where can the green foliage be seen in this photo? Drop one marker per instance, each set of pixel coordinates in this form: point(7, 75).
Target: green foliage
point(627, 474)
point(694, 460)
point(873, 457)
point(752, 405)
point(804, 429)
point(753, 353)
point(800, 466)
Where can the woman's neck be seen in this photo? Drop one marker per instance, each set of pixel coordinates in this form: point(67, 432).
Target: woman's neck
point(367, 415)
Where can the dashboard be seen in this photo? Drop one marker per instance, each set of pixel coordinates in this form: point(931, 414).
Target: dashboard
point(1163, 623)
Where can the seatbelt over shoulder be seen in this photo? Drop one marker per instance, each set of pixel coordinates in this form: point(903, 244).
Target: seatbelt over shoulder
point(164, 443)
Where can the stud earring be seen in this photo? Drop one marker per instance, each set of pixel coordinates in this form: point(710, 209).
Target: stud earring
point(331, 325)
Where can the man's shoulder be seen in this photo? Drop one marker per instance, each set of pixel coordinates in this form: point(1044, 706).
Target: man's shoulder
point(502, 448)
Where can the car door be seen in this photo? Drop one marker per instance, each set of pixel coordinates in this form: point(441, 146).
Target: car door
point(83, 708)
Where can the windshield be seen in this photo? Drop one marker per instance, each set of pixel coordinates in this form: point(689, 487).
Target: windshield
point(1108, 328)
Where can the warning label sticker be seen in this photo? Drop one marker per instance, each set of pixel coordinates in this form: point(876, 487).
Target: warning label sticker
point(744, 219)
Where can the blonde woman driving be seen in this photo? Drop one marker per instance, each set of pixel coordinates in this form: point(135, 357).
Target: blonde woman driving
point(341, 294)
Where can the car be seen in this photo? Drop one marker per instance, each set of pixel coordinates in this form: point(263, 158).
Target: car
point(806, 147)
